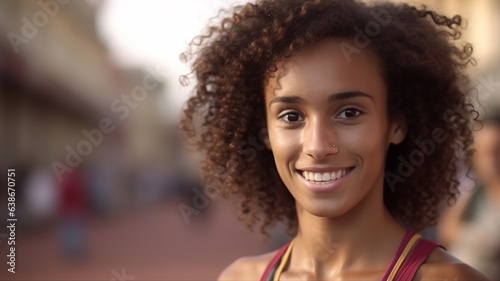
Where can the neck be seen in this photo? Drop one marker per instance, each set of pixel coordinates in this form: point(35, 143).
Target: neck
point(365, 237)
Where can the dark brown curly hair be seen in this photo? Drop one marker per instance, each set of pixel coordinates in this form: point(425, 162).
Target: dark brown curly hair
point(424, 65)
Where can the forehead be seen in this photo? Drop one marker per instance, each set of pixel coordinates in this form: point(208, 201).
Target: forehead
point(328, 65)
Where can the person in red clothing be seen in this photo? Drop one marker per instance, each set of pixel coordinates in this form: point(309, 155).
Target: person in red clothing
point(344, 119)
point(73, 207)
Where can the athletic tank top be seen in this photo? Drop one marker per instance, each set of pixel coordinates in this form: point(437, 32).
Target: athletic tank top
point(412, 252)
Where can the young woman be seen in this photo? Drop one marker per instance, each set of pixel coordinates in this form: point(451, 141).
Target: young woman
point(363, 113)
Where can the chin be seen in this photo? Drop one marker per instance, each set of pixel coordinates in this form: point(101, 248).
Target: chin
point(326, 209)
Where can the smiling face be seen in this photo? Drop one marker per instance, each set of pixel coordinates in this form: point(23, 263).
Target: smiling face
point(316, 100)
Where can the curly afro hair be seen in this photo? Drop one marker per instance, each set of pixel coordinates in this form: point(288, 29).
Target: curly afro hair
point(424, 64)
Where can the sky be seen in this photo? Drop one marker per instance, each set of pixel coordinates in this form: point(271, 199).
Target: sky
point(153, 33)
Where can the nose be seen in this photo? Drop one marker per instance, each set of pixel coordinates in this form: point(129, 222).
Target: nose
point(319, 139)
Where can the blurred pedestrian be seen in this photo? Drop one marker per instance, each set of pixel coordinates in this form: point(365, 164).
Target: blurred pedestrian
point(74, 207)
point(471, 230)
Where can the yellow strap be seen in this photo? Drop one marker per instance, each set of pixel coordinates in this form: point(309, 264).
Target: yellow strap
point(394, 271)
point(403, 256)
point(283, 262)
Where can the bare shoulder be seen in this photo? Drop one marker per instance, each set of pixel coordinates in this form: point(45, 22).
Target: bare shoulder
point(443, 266)
point(246, 268)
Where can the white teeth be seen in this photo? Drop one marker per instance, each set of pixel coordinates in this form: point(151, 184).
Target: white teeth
point(324, 177)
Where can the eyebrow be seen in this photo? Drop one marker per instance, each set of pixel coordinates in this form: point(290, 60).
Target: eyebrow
point(331, 98)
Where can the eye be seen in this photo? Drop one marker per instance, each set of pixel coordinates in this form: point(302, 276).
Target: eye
point(349, 113)
point(291, 117)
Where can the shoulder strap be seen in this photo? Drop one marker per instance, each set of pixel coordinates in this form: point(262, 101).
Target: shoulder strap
point(404, 268)
point(414, 239)
point(283, 262)
point(417, 257)
point(273, 262)
point(406, 239)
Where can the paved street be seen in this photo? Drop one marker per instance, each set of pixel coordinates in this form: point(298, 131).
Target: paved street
point(150, 244)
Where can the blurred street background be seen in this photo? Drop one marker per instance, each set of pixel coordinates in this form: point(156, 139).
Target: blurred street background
point(89, 101)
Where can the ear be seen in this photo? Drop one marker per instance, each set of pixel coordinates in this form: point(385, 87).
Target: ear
point(398, 128)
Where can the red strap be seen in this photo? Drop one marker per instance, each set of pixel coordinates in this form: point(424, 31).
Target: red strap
point(415, 259)
point(274, 261)
point(402, 245)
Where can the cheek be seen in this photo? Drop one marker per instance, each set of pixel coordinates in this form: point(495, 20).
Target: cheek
point(283, 143)
point(286, 150)
point(368, 141)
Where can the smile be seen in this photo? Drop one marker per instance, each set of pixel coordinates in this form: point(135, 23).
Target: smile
point(324, 177)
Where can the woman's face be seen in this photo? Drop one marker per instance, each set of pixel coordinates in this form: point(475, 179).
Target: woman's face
point(318, 99)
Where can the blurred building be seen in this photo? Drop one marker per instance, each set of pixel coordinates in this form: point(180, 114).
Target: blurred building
point(56, 78)
point(63, 101)
point(482, 24)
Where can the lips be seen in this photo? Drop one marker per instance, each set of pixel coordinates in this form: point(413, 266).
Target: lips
point(324, 176)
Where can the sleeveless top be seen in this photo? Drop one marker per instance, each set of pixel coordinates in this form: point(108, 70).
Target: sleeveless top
point(412, 252)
